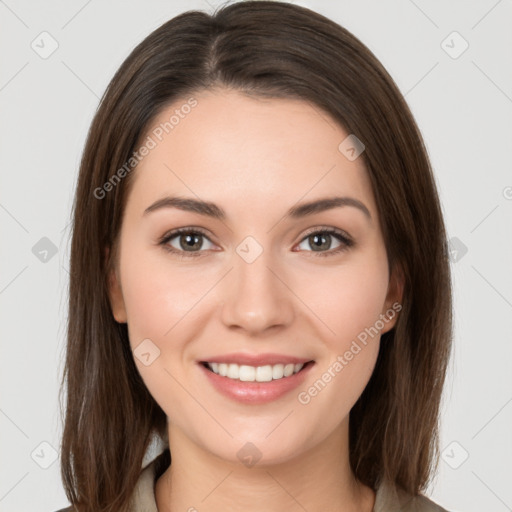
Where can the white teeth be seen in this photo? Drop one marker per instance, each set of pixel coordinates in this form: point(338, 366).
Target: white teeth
point(264, 373)
point(278, 371)
point(255, 373)
point(288, 370)
point(233, 371)
point(247, 373)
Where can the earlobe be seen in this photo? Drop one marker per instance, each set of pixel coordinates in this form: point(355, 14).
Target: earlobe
point(393, 303)
point(115, 293)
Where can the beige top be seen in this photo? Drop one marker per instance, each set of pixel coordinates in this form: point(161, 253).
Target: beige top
point(388, 499)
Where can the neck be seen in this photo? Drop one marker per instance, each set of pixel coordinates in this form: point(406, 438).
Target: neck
point(320, 479)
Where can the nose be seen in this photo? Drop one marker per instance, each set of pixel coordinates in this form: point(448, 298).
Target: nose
point(257, 297)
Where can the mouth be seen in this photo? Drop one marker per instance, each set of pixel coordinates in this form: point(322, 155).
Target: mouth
point(248, 373)
point(253, 385)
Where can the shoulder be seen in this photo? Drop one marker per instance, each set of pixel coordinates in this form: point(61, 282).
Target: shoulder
point(421, 504)
point(143, 497)
point(390, 498)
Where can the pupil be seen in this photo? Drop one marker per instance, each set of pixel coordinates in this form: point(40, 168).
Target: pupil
point(190, 241)
point(320, 241)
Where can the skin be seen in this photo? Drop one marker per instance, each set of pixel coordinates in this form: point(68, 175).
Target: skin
point(255, 158)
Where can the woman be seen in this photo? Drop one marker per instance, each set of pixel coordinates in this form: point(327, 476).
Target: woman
point(259, 277)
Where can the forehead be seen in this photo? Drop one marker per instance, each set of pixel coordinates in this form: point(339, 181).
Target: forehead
point(231, 146)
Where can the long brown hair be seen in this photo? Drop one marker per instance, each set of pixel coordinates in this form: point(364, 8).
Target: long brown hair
point(277, 50)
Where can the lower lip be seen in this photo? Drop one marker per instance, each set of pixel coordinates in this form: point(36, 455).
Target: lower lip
point(256, 392)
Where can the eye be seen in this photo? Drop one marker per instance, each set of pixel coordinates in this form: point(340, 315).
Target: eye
point(190, 242)
point(185, 242)
point(321, 241)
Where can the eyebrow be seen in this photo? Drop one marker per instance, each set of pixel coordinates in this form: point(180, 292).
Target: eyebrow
point(298, 211)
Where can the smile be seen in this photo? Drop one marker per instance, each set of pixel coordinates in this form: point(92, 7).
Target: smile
point(248, 373)
point(255, 384)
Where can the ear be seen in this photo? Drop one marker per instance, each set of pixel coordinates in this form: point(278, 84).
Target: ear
point(393, 302)
point(115, 293)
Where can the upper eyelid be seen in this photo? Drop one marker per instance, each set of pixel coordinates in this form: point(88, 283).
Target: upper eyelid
point(321, 229)
point(178, 231)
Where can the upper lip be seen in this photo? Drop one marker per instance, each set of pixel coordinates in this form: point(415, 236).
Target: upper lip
point(255, 359)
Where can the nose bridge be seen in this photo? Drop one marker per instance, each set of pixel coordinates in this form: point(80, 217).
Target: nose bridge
point(257, 298)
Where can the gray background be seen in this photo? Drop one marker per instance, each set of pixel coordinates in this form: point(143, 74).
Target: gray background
point(463, 105)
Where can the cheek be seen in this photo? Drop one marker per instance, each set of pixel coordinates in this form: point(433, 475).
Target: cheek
point(349, 303)
point(159, 302)
point(348, 300)
point(350, 347)
point(158, 295)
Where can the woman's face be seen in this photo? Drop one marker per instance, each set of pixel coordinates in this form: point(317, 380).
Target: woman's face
point(254, 278)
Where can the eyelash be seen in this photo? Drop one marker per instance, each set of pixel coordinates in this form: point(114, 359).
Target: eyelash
point(346, 241)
